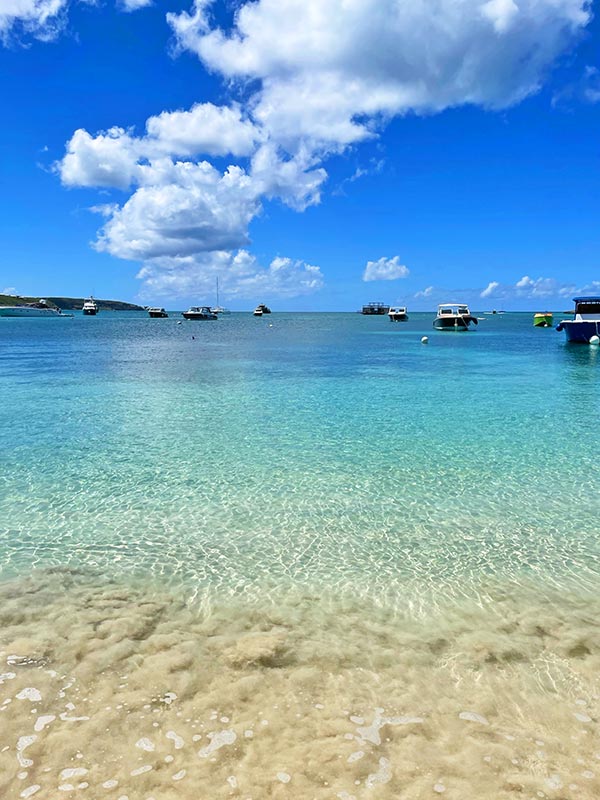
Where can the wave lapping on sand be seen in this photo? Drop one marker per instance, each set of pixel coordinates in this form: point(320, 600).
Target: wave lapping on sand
point(110, 690)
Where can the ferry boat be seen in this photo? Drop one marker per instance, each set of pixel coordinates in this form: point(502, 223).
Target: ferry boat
point(90, 307)
point(454, 317)
point(376, 309)
point(155, 312)
point(586, 321)
point(542, 319)
point(38, 309)
point(397, 314)
point(199, 312)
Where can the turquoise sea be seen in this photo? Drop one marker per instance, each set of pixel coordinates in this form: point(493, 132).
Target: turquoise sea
point(302, 556)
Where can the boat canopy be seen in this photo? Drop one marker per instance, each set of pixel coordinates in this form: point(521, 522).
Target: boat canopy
point(587, 305)
point(453, 308)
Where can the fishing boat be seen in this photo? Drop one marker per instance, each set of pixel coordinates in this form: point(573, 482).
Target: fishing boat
point(397, 314)
point(37, 309)
point(155, 312)
point(542, 319)
point(90, 307)
point(375, 309)
point(454, 317)
point(586, 320)
point(199, 312)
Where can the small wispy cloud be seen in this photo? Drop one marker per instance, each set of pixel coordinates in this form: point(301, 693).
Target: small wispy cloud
point(427, 292)
point(586, 89)
point(527, 287)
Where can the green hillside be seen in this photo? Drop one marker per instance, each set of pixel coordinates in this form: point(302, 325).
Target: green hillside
point(70, 303)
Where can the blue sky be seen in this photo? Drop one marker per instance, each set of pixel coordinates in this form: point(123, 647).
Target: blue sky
point(313, 155)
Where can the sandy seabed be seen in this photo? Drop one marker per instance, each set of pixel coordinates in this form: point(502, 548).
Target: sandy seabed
point(114, 690)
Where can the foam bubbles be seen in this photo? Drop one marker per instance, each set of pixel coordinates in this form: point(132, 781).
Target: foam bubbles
point(177, 740)
point(145, 744)
point(383, 774)
point(217, 740)
point(30, 791)
point(30, 693)
point(141, 770)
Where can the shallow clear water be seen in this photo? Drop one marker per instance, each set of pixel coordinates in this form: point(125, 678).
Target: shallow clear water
point(319, 519)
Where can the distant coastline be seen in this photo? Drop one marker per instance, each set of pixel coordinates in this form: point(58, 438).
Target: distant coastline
point(70, 303)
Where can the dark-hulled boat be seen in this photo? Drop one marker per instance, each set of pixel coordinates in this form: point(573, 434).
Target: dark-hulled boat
point(199, 312)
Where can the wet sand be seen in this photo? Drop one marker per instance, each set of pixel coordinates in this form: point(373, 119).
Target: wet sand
point(122, 690)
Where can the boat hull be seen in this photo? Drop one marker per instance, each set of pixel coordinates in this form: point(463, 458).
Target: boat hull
point(398, 317)
point(454, 323)
point(579, 332)
point(200, 317)
point(542, 320)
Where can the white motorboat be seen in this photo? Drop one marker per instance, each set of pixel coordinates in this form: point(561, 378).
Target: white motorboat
point(155, 312)
point(454, 317)
point(398, 314)
point(585, 325)
point(90, 307)
point(38, 309)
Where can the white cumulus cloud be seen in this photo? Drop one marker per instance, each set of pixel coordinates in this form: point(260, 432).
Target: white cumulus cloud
point(329, 71)
point(317, 77)
point(240, 276)
point(42, 19)
point(385, 269)
point(180, 209)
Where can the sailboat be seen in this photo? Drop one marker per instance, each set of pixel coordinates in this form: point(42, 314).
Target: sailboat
point(219, 309)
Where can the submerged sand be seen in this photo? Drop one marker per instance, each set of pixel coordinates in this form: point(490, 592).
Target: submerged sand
point(115, 690)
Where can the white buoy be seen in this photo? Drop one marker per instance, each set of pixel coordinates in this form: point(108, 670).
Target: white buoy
point(595, 340)
point(179, 323)
point(424, 339)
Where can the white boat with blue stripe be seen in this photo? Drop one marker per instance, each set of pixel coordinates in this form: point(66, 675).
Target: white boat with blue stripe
point(586, 321)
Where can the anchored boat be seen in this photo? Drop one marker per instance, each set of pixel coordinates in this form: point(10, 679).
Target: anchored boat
point(398, 314)
point(90, 307)
point(454, 317)
point(39, 309)
point(542, 319)
point(586, 321)
point(155, 312)
point(375, 309)
point(199, 312)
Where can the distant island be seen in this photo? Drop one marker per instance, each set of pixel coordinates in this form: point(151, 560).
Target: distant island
point(69, 303)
